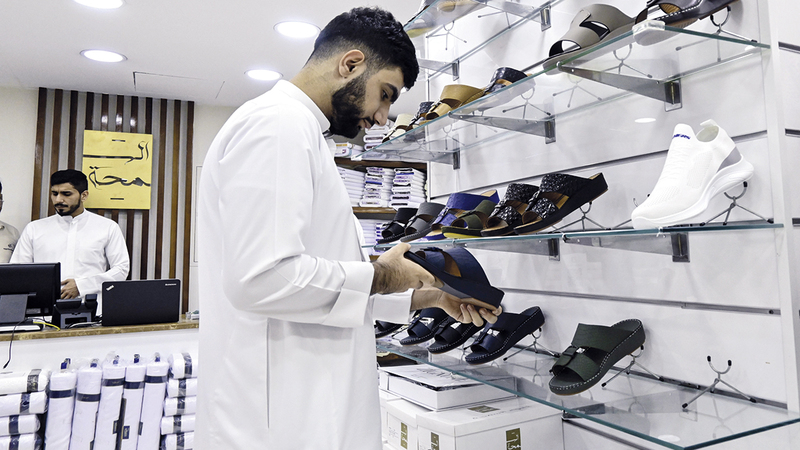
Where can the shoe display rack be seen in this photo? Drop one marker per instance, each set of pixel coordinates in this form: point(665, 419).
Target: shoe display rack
point(648, 64)
point(620, 67)
point(642, 406)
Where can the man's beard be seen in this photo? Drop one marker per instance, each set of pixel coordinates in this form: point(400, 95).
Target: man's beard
point(348, 104)
point(69, 211)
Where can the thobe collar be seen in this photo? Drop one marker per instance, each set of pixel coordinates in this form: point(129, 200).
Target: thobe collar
point(296, 93)
point(70, 219)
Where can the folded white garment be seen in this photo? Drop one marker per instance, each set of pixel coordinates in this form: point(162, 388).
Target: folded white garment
point(373, 202)
point(177, 424)
point(174, 406)
point(180, 441)
point(182, 388)
point(21, 442)
point(370, 146)
point(410, 198)
point(373, 138)
point(13, 425)
point(379, 169)
point(154, 392)
point(408, 179)
point(409, 170)
point(182, 365)
point(132, 393)
point(14, 404)
point(408, 189)
point(403, 204)
point(105, 433)
point(20, 382)
point(59, 410)
point(87, 399)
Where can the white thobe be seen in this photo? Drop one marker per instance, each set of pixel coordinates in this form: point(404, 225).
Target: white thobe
point(287, 320)
point(89, 247)
point(8, 239)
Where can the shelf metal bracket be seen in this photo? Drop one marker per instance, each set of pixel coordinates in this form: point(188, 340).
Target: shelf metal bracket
point(549, 247)
point(673, 244)
point(668, 92)
point(453, 68)
point(545, 128)
point(539, 14)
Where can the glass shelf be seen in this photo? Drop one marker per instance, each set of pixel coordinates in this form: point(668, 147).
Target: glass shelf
point(619, 68)
point(439, 14)
point(636, 405)
point(672, 241)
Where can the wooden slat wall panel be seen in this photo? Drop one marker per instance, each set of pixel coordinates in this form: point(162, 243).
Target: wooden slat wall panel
point(68, 114)
point(187, 203)
point(176, 154)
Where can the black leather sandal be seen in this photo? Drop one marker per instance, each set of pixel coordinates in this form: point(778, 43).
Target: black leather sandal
point(559, 194)
point(451, 334)
point(594, 350)
point(497, 338)
point(424, 326)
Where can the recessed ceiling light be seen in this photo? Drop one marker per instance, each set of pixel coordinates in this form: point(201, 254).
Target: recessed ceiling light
point(101, 4)
point(263, 75)
point(297, 30)
point(103, 56)
point(645, 120)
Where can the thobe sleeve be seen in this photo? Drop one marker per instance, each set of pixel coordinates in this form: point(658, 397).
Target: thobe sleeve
point(23, 251)
point(266, 192)
point(118, 263)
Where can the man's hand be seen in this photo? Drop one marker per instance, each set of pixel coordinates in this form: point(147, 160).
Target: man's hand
point(395, 273)
point(69, 289)
point(454, 306)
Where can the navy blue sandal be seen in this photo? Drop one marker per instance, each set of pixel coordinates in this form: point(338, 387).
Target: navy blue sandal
point(497, 338)
point(460, 273)
point(451, 334)
point(424, 326)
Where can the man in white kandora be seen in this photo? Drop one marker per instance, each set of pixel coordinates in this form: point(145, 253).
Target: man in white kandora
point(89, 247)
point(285, 292)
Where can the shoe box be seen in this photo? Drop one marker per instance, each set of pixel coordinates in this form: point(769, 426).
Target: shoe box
point(437, 389)
point(518, 424)
point(401, 424)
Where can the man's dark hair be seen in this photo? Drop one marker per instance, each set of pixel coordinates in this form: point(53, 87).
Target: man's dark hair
point(74, 177)
point(377, 34)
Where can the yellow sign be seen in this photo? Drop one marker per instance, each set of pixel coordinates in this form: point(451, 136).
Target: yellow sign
point(119, 167)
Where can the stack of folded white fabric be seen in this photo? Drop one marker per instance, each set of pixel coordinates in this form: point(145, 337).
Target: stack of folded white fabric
point(22, 397)
point(155, 390)
point(377, 187)
point(372, 230)
point(177, 424)
point(108, 412)
point(60, 407)
point(373, 136)
point(408, 188)
point(354, 183)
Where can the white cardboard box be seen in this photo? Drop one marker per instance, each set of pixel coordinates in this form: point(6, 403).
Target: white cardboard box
point(518, 424)
point(385, 396)
point(401, 424)
point(437, 389)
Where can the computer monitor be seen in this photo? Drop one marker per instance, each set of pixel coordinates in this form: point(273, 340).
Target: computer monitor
point(41, 282)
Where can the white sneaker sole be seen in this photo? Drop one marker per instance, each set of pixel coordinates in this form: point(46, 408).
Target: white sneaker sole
point(722, 181)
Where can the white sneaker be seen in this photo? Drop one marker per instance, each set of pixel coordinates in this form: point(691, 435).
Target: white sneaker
point(697, 168)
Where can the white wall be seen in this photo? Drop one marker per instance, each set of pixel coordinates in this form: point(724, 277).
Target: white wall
point(207, 122)
point(17, 141)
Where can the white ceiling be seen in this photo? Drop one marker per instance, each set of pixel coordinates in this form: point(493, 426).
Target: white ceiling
point(194, 50)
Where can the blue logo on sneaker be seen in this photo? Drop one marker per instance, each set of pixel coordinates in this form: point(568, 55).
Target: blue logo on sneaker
point(681, 136)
